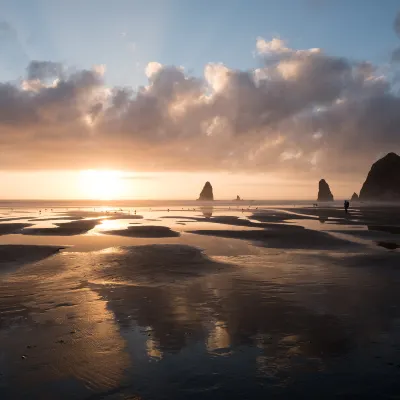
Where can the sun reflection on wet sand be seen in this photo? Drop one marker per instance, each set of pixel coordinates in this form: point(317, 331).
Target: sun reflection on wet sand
point(75, 336)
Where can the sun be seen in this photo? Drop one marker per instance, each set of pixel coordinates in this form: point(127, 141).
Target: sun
point(101, 184)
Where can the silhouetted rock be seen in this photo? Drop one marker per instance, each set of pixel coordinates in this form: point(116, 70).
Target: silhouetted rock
point(207, 192)
point(354, 197)
point(383, 180)
point(238, 198)
point(324, 193)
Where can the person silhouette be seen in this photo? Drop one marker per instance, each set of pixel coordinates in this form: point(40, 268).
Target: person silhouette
point(346, 206)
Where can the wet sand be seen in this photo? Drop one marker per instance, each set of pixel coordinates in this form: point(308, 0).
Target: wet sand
point(149, 231)
point(268, 303)
point(6, 229)
point(64, 229)
point(16, 255)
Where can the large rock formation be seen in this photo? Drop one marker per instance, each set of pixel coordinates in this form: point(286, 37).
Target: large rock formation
point(238, 198)
point(324, 193)
point(383, 180)
point(354, 197)
point(207, 192)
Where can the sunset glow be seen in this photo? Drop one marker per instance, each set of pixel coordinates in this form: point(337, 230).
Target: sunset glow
point(101, 184)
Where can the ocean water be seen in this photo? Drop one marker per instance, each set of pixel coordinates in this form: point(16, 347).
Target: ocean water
point(28, 204)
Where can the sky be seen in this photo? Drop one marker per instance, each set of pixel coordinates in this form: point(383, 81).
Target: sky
point(149, 99)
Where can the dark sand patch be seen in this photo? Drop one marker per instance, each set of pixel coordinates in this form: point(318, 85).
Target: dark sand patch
point(181, 217)
point(232, 220)
point(150, 231)
point(323, 215)
point(237, 221)
point(152, 263)
point(282, 238)
point(103, 214)
point(279, 216)
point(6, 229)
point(363, 215)
point(55, 219)
point(369, 259)
point(23, 254)
point(66, 229)
point(395, 230)
point(124, 216)
point(362, 234)
point(66, 304)
point(389, 245)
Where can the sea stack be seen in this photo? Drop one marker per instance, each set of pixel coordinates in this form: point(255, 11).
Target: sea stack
point(207, 193)
point(354, 197)
point(383, 180)
point(324, 192)
point(238, 198)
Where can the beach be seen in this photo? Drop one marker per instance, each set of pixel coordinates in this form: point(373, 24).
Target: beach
point(197, 300)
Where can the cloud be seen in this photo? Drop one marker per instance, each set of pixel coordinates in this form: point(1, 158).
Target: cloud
point(152, 68)
point(140, 177)
point(396, 55)
point(42, 70)
point(299, 112)
point(396, 24)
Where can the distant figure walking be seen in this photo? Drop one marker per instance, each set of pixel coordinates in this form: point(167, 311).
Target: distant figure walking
point(346, 206)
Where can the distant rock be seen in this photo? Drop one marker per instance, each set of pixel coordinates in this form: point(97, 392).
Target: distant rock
point(354, 197)
point(383, 180)
point(207, 192)
point(324, 192)
point(238, 198)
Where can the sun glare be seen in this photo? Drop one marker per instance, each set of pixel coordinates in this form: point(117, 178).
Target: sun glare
point(101, 184)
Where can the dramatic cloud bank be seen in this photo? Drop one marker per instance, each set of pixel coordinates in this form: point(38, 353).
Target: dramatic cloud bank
point(301, 110)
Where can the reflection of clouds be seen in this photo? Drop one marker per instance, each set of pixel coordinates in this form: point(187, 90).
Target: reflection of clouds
point(207, 211)
point(265, 316)
point(97, 343)
point(218, 337)
point(280, 356)
point(153, 348)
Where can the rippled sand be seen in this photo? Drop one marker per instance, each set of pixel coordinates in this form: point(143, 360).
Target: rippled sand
point(259, 303)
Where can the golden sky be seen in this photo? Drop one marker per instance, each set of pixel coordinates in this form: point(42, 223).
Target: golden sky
point(118, 185)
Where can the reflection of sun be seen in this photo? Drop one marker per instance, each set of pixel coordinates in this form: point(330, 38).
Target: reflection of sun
point(101, 184)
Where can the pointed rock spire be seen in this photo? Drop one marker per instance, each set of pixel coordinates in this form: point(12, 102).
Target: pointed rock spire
point(324, 192)
point(207, 192)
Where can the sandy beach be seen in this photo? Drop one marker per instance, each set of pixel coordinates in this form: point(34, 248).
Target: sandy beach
point(198, 300)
